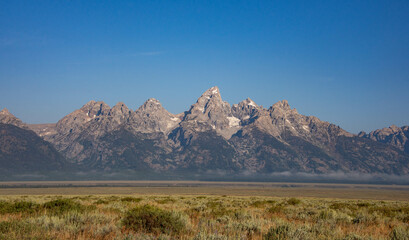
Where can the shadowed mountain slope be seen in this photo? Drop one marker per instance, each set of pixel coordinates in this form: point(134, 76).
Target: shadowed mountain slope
point(214, 136)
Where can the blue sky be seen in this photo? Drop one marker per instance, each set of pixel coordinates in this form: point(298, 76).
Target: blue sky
point(346, 62)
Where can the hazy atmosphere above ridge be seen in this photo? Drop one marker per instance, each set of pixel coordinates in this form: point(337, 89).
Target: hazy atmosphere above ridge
point(344, 62)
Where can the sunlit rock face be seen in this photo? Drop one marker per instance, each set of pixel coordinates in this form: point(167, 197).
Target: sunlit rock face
point(393, 135)
point(7, 118)
point(212, 135)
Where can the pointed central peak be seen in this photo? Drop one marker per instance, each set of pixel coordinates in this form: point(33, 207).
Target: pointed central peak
point(151, 104)
point(213, 91)
point(209, 99)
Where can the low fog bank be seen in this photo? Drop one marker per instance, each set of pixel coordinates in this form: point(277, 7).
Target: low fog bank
point(214, 175)
point(332, 177)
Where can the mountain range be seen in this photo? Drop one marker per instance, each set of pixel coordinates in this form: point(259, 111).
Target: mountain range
point(210, 137)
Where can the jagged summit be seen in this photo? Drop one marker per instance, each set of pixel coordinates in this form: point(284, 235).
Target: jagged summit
point(247, 103)
point(210, 113)
point(213, 91)
point(153, 100)
point(151, 104)
point(119, 104)
point(393, 135)
point(283, 104)
point(209, 107)
point(213, 135)
point(209, 100)
point(8, 118)
point(246, 109)
point(250, 102)
point(152, 117)
point(120, 107)
point(93, 108)
point(5, 111)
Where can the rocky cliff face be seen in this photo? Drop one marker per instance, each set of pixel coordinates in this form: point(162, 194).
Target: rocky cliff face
point(7, 118)
point(151, 117)
point(213, 136)
point(393, 135)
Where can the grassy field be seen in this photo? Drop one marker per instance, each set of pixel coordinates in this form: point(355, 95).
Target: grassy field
point(224, 211)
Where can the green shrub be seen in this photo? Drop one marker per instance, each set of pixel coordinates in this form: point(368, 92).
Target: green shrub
point(218, 209)
point(326, 214)
point(131, 199)
point(18, 207)
point(341, 205)
point(9, 226)
point(278, 233)
point(151, 219)
point(61, 206)
point(16, 229)
point(363, 204)
point(276, 209)
point(165, 200)
point(214, 204)
point(293, 201)
point(390, 211)
point(101, 201)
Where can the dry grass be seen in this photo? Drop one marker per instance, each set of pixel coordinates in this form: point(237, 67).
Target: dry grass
point(137, 216)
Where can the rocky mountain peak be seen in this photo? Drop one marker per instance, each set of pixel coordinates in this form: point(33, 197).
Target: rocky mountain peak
point(210, 101)
point(93, 109)
point(211, 112)
point(282, 109)
point(283, 105)
point(5, 111)
point(393, 135)
point(395, 128)
point(77, 120)
point(213, 91)
point(250, 102)
point(8, 118)
point(245, 109)
point(151, 104)
point(153, 117)
point(247, 103)
point(213, 135)
point(120, 109)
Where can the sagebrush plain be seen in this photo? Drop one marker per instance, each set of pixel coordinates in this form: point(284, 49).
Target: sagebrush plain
point(246, 211)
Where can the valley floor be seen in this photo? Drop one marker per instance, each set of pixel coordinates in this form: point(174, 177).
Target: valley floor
point(202, 210)
point(267, 189)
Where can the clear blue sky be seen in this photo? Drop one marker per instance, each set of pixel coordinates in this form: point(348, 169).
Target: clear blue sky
point(346, 62)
